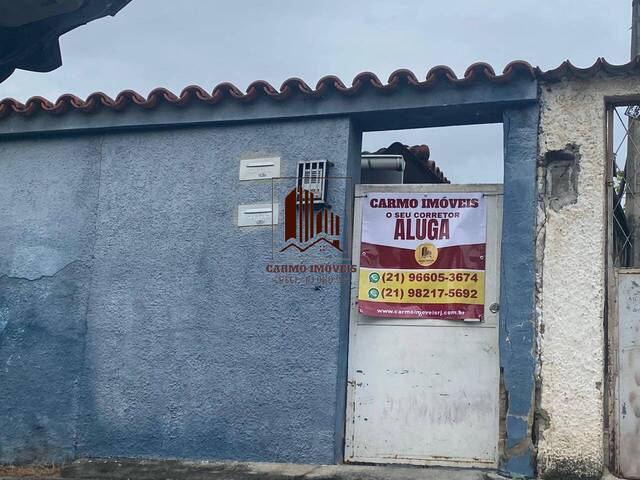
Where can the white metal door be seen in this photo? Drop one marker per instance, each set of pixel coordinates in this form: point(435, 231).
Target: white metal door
point(628, 381)
point(424, 391)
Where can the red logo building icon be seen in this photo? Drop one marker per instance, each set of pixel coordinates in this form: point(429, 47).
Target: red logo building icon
point(305, 227)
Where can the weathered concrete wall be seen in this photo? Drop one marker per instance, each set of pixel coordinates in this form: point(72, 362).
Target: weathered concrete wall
point(571, 274)
point(138, 320)
point(48, 193)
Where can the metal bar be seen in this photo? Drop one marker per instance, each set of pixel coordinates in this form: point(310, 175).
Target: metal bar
point(610, 327)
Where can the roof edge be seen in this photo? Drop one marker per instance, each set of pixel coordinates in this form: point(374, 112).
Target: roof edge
point(566, 70)
point(401, 78)
point(366, 81)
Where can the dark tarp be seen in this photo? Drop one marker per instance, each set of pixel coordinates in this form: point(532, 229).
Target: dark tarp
point(34, 46)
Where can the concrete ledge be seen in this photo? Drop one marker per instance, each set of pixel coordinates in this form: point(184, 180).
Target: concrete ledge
point(179, 470)
point(482, 102)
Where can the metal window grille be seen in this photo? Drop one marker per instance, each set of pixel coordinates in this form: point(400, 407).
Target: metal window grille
point(312, 176)
point(623, 175)
point(624, 142)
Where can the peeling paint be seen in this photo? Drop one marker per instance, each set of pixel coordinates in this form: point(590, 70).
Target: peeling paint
point(37, 261)
point(30, 276)
point(562, 169)
point(517, 309)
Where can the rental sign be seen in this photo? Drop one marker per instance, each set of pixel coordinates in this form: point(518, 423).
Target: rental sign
point(423, 256)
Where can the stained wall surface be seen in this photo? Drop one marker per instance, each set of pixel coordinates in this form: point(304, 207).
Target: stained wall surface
point(137, 319)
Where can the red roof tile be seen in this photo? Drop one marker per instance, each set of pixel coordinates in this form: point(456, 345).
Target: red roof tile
point(362, 82)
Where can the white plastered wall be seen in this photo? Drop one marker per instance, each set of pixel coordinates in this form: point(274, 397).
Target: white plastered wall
point(571, 248)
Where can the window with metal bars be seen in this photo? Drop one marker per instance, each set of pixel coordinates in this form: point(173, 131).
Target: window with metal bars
point(624, 154)
point(312, 176)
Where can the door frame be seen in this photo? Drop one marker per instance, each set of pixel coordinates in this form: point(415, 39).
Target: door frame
point(496, 238)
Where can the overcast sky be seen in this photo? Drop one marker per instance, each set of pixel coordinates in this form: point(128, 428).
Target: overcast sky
point(173, 44)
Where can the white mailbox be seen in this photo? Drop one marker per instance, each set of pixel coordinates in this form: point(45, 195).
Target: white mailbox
point(257, 214)
point(259, 168)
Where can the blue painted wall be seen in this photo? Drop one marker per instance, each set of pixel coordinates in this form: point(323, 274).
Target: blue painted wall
point(136, 319)
point(143, 318)
point(48, 193)
point(517, 285)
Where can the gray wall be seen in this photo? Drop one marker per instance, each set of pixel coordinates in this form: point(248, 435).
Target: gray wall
point(136, 319)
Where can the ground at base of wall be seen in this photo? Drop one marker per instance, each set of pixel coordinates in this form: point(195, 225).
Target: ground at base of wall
point(38, 471)
point(178, 470)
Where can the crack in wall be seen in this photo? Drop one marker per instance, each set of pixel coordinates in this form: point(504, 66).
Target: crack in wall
point(540, 418)
point(41, 277)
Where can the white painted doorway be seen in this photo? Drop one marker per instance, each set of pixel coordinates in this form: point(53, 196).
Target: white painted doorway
point(425, 391)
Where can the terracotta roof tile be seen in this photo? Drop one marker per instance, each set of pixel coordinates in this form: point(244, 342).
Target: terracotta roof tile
point(362, 81)
point(567, 70)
